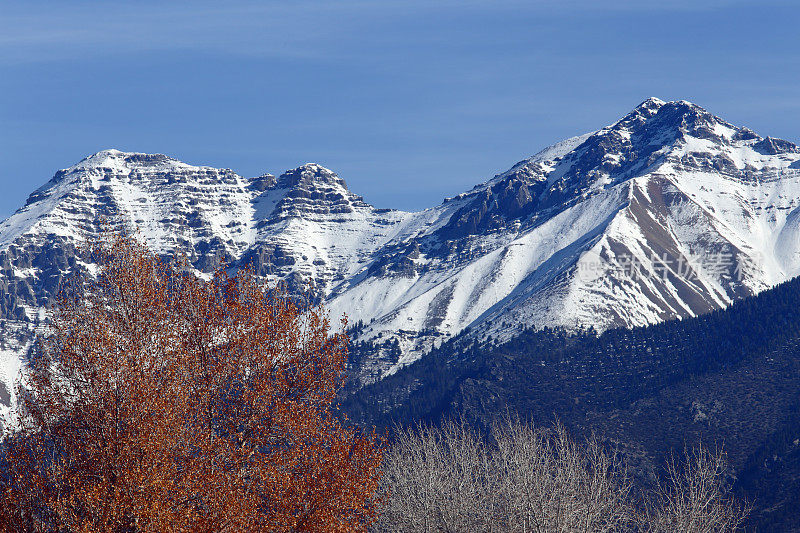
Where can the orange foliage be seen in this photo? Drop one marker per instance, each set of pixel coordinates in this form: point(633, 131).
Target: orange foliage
point(163, 402)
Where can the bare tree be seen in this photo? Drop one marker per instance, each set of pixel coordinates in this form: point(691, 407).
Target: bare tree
point(525, 479)
point(545, 481)
point(437, 480)
point(529, 479)
point(694, 498)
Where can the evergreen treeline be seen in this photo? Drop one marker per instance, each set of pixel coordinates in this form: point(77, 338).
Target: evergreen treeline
point(612, 369)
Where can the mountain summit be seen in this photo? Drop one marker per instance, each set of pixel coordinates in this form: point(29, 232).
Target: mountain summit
point(669, 212)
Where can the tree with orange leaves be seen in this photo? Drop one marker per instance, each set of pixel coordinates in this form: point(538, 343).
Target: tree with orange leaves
point(163, 402)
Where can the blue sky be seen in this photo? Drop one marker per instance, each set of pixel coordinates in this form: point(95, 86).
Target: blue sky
point(409, 101)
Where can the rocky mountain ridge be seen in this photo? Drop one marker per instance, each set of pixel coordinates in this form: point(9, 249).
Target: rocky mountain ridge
point(668, 212)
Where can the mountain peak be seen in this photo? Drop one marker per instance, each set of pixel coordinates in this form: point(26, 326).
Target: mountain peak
point(122, 162)
point(651, 103)
point(314, 167)
point(108, 152)
point(655, 106)
point(101, 158)
point(310, 175)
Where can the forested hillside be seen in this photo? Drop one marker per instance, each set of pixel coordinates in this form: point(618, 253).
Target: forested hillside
point(728, 378)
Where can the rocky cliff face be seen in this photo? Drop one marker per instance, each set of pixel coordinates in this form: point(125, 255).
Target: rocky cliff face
point(669, 212)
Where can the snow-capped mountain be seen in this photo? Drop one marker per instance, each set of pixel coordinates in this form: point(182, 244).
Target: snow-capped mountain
point(668, 212)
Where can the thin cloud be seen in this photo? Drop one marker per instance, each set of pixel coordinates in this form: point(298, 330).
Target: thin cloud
point(41, 31)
